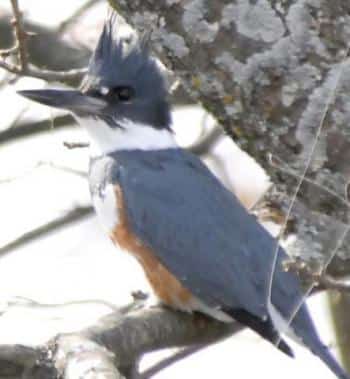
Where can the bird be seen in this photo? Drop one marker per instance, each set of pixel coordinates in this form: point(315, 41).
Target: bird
point(200, 249)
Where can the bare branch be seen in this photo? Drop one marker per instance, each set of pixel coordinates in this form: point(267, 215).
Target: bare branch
point(33, 304)
point(24, 68)
point(203, 145)
point(73, 215)
point(75, 145)
point(20, 36)
point(14, 359)
point(115, 343)
point(28, 128)
point(69, 170)
point(179, 355)
point(66, 24)
point(153, 329)
point(79, 357)
point(318, 278)
point(49, 75)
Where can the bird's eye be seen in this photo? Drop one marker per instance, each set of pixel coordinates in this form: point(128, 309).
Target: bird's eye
point(123, 93)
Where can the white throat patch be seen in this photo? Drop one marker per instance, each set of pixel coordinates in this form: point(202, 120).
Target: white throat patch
point(105, 139)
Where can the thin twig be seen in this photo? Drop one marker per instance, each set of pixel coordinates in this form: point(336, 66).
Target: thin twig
point(29, 128)
point(5, 53)
point(322, 273)
point(203, 145)
point(29, 303)
point(48, 75)
point(18, 354)
point(20, 36)
point(24, 68)
point(5, 80)
point(39, 164)
point(165, 363)
point(316, 277)
point(22, 175)
point(71, 216)
point(328, 282)
point(69, 170)
point(17, 118)
point(75, 145)
point(66, 24)
point(294, 197)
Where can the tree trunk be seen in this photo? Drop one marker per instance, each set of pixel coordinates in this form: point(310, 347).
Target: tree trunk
point(276, 76)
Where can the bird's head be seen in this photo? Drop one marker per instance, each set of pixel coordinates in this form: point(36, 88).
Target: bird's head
point(123, 97)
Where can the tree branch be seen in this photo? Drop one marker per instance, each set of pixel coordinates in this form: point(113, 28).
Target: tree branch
point(112, 345)
point(76, 145)
point(20, 47)
point(71, 216)
point(181, 354)
point(16, 360)
point(318, 278)
point(65, 25)
point(20, 36)
point(203, 145)
point(27, 128)
point(49, 75)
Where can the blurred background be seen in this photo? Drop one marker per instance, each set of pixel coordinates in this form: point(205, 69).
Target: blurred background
point(58, 271)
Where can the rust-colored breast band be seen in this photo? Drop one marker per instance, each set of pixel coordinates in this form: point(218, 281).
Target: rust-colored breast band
point(165, 285)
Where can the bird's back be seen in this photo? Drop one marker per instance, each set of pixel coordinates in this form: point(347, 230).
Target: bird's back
point(197, 228)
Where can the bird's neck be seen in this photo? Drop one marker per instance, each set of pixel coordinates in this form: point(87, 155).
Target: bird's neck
point(105, 139)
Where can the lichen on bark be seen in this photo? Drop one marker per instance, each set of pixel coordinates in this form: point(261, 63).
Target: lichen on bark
point(271, 73)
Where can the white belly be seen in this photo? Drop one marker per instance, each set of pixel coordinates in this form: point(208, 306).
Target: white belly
point(105, 203)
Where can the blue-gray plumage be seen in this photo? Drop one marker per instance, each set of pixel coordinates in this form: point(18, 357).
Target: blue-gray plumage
point(203, 235)
point(201, 250)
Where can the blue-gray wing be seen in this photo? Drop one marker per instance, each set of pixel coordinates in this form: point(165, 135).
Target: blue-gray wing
point(196, 227)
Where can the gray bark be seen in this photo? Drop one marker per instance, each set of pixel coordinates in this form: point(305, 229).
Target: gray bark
point(271, 72)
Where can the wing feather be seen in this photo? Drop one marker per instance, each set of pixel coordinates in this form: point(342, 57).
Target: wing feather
point(197, 228)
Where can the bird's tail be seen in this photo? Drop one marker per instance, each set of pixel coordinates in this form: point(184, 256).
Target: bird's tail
point(265, 328)
point(325, 355)
point(303, 328)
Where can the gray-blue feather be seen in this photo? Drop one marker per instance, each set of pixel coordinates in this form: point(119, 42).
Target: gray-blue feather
point(199, 230)
point(204, 236)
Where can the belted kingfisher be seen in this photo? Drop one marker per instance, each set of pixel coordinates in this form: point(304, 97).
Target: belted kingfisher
point(199, 247)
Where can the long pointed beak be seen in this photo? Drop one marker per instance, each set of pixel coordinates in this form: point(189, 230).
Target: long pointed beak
point(72, 100)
